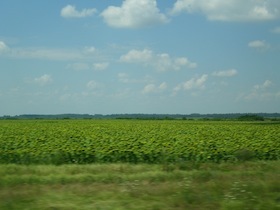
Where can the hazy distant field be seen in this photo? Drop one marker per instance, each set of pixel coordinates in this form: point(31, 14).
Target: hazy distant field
point(136, 141)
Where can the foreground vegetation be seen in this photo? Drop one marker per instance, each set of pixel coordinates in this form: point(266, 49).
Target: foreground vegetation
point(188, 185)
point(181, 164)
point(136, 141)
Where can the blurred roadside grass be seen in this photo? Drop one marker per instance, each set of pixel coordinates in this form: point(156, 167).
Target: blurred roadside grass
point(229, 186)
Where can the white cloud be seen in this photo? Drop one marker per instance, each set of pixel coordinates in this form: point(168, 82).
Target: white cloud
point(70, 11)
point(259, 44)
point(161, 62)
point(125, 78)
point(162, 86)
point(48, 53)
point(183, 61)
point(261, 92)
point(137, 56)
point(134, 14)
point(89, 50)
point(152, 88)
point(3, 47)
point(43, 80)
point(78, 66)
point(94, 88)
point(193, 83)
point(100, 66)
point(266, 84)
point(149, 88)
point(276, 30)
point(226, 73)
point(230, 10)
point(93, 85)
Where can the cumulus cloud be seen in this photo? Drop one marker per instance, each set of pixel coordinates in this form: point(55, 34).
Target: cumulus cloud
point(134, 14)
point(162, 86)
point(261, 92)
point(48, 53)
point(137, 56)
point(90, 50)
point(226, 73)
point(192, 84)
point(161, 62)
point(100, 66)
point(78, 66)
point(36, 53)
point(3, 47)
point(149, 88)
point(93, 85)
point(230, 10)
point(70, 11)
point(152, 88)
point(43, 80)
point(195, 83)
point(259, 44)
point(183, 61)
point(266, 84)
point(125, 78)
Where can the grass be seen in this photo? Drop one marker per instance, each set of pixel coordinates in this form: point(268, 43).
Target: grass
point(225, 186)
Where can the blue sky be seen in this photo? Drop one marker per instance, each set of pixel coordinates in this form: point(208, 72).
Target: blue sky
point(139, 56)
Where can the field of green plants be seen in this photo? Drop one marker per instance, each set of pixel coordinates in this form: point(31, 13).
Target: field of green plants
point(136, 141)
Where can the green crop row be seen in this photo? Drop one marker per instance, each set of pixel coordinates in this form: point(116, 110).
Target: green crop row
point(136, 141)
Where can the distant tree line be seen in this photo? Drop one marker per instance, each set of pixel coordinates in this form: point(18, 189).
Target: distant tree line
point(251, 117)
point(237, 116)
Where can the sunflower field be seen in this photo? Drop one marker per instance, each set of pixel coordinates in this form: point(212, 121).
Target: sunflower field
point(136, 141)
